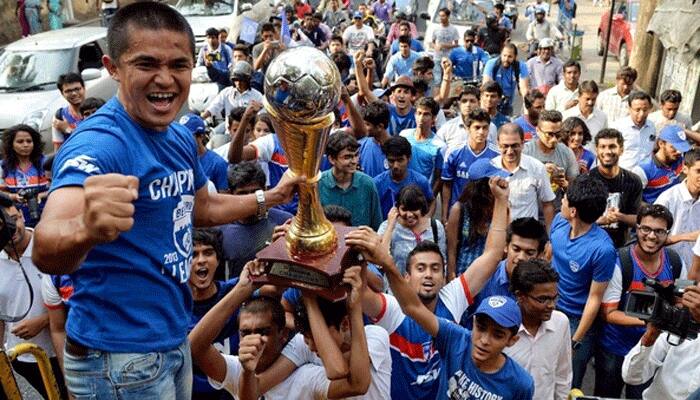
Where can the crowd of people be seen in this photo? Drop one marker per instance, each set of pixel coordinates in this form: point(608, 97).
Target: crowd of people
point(500, 245)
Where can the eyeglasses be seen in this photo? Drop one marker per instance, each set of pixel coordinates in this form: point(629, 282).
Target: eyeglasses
point(73, 90)
point(647, 230)
point(556, 134)
point(544, 299)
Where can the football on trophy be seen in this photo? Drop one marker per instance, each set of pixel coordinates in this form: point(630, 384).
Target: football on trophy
point(302, 84)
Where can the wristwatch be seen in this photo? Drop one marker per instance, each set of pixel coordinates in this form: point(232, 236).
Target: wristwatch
point(261, 211)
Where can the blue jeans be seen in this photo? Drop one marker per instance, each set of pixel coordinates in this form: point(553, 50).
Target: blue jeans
point(103, 375)
point(581, 356)
point(33, 16)
point(608, 377)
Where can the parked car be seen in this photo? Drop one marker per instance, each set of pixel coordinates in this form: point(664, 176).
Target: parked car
point(624, 21)
point(30, 67)
point(465, 15)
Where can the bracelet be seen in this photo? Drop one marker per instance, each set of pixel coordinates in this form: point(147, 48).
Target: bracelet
point(498, 229)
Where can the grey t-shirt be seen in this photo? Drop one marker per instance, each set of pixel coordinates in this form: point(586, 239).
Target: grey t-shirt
point(444, 34)
point(562, 156)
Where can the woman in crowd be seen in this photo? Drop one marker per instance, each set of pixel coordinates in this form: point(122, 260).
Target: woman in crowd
point(575, 134)
point(263, 125)
point(23, 174)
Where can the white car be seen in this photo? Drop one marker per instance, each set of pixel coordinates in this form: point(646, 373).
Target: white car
point(30, 67)
point(465, 15)
point(205, 14)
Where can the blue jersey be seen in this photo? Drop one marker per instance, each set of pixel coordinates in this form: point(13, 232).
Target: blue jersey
point(415, 46)
point(456, 168)
point(529, 129)
point(216, 169)
point(426, 155)
point(497, 285)
point(389, 190)
point(461, 379)
point(397, 122)
point(415, 361)
point(227, 340)
point(499, 120)
point(469, 65)
point(587, 258)
point(585, 161)
point(618, 339)
point(372, 159)
point(131, 294)
point(658, 177)
point(505, 76)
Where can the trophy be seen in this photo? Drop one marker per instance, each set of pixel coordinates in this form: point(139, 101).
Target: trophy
point(302, 88)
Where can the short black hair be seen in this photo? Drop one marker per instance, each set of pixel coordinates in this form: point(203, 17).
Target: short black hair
point(242, 48)
point(470, 90)
point(638, 95)
point(470, 32)
point(333, 313)
point(212, 32)
point(528, 273)
point(337, 38)
point(499, 6)
point(148, 15)
point(550, 116)
point(610, 133)
point(655, 211)
point(91, 103)
point(340, 141)
point(70, 77)
point(246, 173)
point(267, 27)
point(531, 96)
point(336, 213)
point(423, 64)
point(492, 87)
point(691, 157)
point(445, 10)
point(377, 112)
point(405, 39)
point(429, 103)
point(412, 198)
point(397, 146)
point(424, 246)
point(570, 124)
point(509, 45)
point(263, 304)
point(479, 115)
point(627, 73)
point(588, 87)
point(236, 114)
point(210, 237)
point(528, 228)
point(588, 195)
point(671, 96)
point(571, 63)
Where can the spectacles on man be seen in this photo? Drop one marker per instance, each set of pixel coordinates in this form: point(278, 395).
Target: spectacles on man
point(544, 299)
point(647, 230)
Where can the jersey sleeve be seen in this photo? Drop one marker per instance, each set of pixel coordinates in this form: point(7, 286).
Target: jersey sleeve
point(52, 299)
point(234, 369)
point(391, 316)
point(456, 297)
point(613, 292)
point(488, 68)
point(297, 351)
point(604, 263)
point(450, 334)
point(524, 72)
point(264, 147)
point(448, 168)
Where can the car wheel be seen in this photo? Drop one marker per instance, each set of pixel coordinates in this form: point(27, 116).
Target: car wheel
point(601, 46)
point(623, 57)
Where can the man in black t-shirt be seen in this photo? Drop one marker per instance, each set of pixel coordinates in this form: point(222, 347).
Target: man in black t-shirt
point(624, 187)
point(492, 37)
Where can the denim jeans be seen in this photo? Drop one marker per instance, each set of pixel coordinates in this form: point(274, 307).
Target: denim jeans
point(105, 375)
point(608, 377)
point(33, 16)
point(581, 356)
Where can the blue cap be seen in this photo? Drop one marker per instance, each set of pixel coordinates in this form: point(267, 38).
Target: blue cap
point(483, 168)
point(675, 135)
point(357, 14)
point(502, 309)
point(194, 123)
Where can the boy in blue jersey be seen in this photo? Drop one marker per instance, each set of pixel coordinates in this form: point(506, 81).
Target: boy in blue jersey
point(663, 170)
point(372, 158)
point(127, 190)
point(397, 150)
point(584, 256)
point(427, 150)
point(67, 118)
point(207, 256)
point(213, 166)
point(415, 363)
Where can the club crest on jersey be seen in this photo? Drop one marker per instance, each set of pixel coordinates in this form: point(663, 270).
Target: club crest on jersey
point(497, 301)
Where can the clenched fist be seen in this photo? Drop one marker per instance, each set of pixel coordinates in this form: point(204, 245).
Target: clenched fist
point(109, 208)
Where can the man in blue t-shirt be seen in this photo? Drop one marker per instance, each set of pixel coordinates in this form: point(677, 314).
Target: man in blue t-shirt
point(127, 189)
point(427, 150)
point(213, 165)
point(376, 117)
point(510, 73)
point(415, 362)
point(663, 170)
point(389, 183)
point(584, 256)
point(469, 61)
point(402, 113)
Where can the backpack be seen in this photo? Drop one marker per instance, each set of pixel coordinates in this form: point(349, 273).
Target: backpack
point(433, 226)
point(627, 267)
point(516, 71)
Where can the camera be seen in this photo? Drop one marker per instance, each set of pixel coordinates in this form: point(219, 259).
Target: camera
point(656, 304)
point(31, 196)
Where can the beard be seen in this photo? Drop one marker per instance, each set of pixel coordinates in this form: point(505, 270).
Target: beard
point(427, 298)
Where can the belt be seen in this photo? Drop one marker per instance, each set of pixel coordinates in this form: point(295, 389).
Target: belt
point(75, 349)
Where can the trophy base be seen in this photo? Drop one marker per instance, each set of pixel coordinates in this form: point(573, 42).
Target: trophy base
point(322, 275)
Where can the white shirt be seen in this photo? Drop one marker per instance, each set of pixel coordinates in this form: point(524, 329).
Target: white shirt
point(674, 368)
point(455, 134)
point(529, 185)
point(379, 356)
point(686, 216)
point(595, 122)
point(230, 98)
point(639, 142)
point(660, 121)
point(356, 39)
point(614, 106)
point(546, 356)
point(14, 299)
point(558, 96)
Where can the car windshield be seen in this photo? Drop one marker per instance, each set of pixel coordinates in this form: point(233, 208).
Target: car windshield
point(191, 8)
point(22, 70)
point(464, 12)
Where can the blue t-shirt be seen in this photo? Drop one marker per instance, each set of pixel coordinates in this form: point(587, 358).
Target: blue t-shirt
point(585, 161)
point(389, 190)
point(215, 168)
point(469, 65)
point(397, 122)
point(587, 258)
point(461, 379)
point(618, 339)
point(497, 285)
point(426, 155)
point(227, 340)
point(529, 129)
point(659, 177)
point(505, 76)
point(456, 168)
point(500, 120)
point(415, 46)
point(131, 295)
point(372, 159)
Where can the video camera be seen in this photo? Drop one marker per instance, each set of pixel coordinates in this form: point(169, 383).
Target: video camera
point(656, 304)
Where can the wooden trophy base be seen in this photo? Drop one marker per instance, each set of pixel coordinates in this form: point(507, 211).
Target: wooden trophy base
point(323, 275)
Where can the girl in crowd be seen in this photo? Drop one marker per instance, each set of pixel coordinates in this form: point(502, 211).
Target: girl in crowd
point(575, 134)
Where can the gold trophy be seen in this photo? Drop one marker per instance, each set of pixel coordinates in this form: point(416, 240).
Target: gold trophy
point(302, 87)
